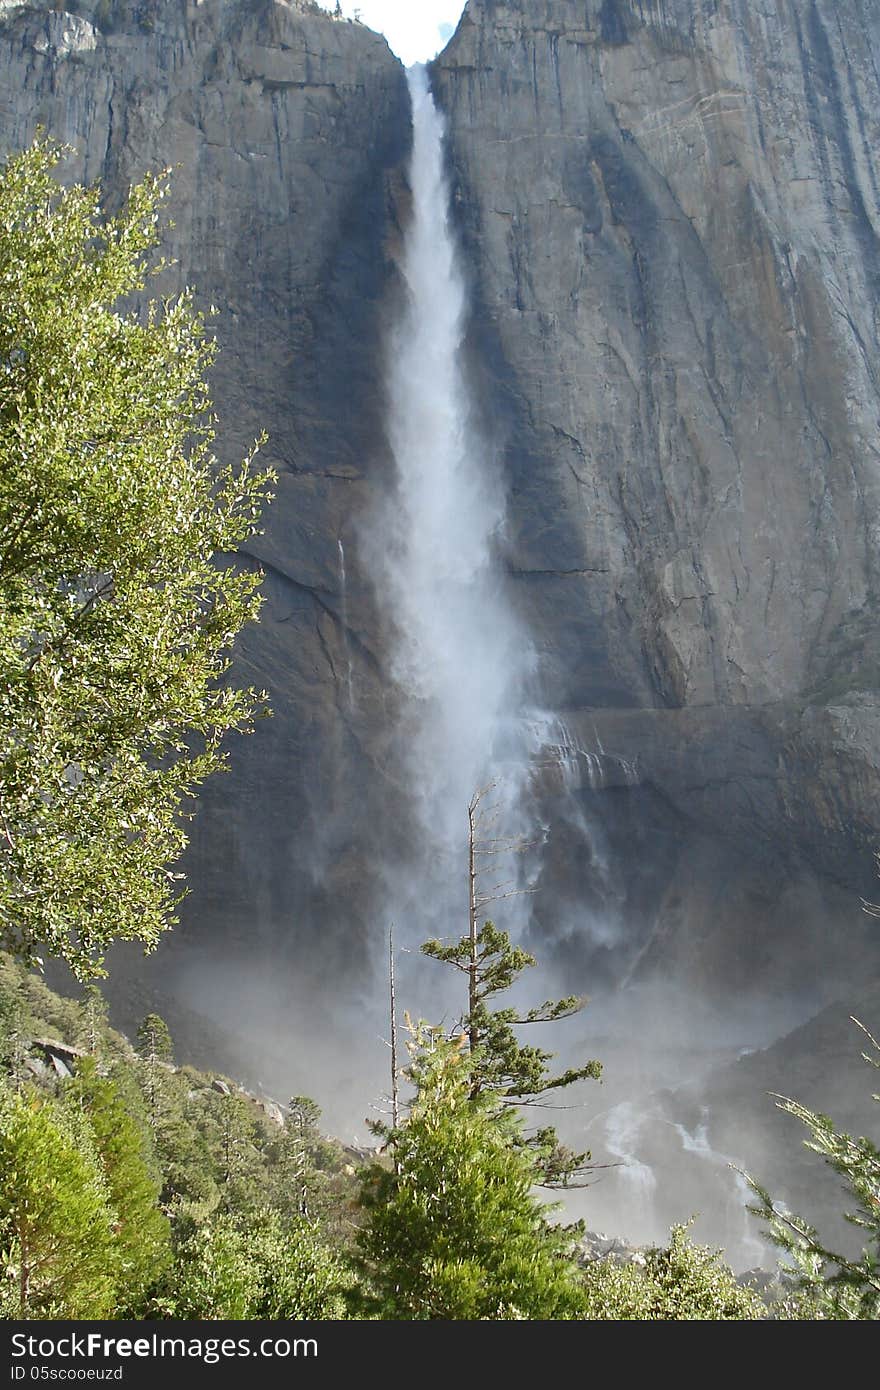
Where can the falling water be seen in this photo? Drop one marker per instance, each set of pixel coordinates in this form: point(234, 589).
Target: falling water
point(622, 1129)
point(740, 1237)
point(343, 594)
point(459, 656)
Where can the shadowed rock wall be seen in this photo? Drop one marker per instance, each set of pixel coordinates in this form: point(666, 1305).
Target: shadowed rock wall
point(671, 210)
point(670, 216)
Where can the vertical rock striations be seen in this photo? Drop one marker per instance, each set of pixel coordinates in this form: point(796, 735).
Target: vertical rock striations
point(671, 208)
point(670, 215)
point(284, 128)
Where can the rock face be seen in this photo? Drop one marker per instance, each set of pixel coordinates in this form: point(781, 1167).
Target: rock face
point(285, 128)
point(672, 214)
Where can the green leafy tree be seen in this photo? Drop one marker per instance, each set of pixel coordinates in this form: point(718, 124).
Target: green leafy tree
point(831, 1285)
point(300, 1277)
point(116, 621)
point(57, 1244)
point(452, 1226)
point(677, 1283)
point(266, 1268)
point(141, 1230)
point(213, 1276)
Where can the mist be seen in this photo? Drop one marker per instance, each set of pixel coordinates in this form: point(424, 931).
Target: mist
point(466, 707)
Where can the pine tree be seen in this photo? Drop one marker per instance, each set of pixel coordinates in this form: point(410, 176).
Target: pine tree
point(235, 1143)
point(156, 1051)
point(56, 1218)
point(491, 965)
point(95, 1019)
point(183, 1134)
point(142, 1232)
point(297, 1182)
point(519, 1072)
point(452, 1227)
point(832, 1285)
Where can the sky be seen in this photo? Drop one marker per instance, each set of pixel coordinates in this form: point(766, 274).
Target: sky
point(415, 29)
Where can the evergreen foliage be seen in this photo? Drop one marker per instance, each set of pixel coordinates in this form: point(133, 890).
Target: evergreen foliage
point(202, 1207)
point(517, 1071)
point(57, 1255)
point(115, 621)
point(235, 1140)
point(95, 1019)
point(142, 1235)
point(303, 1164)
point(156, 1053)
point(830, 1285)
point(453, 1228)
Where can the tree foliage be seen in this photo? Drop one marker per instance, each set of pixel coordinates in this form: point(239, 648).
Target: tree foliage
point(268, 1268)
point(518, 1071)
point(142, 1235)
point(831, 1285)
point(116, 621)
point(453, 1228)
point(57, 1257)
point(681, 1282)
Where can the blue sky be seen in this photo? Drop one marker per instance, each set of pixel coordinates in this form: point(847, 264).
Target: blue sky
point(415, 29)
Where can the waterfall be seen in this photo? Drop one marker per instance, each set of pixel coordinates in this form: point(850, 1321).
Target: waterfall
point(343, 599)
point(622, 1129)
point(459, 658)
point(739, 1237)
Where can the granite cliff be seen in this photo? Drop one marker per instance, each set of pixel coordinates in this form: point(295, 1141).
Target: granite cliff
point(669, 212)
point(283, 130)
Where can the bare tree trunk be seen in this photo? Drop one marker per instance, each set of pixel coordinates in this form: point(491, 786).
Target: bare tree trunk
point(472, 907)
point(24, 1272)
point(395, 1107)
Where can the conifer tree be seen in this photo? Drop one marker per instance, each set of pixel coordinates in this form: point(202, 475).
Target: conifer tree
point(234, 1142)
point(453, 1228)
point(491, 965)
point(57, 1245)
point(297, 1181)
point(519, 1072)
point(142, 1232)
point(157, 1053)
point(95, 1019)
point(832, 1285)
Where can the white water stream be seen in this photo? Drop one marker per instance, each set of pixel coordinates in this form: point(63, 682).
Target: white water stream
point(460, 659)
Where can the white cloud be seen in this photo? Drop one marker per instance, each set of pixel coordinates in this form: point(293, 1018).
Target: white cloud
point(415, 29)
